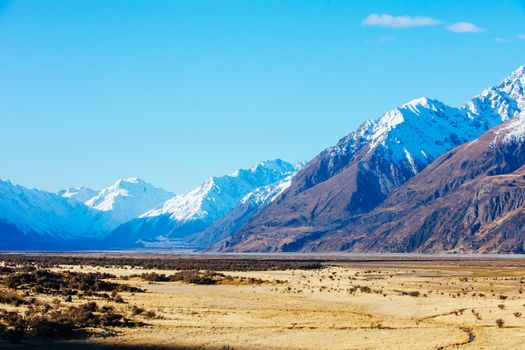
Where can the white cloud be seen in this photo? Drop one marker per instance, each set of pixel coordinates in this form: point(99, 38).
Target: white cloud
point(521, 36)
point(464, 27)
point(386, 20)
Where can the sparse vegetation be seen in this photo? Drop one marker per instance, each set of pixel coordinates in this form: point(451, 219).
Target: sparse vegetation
point(65, 283)
point(52, 303)
point(33, 317)
point(50, 322)
point(160, 263)
point(200, 277)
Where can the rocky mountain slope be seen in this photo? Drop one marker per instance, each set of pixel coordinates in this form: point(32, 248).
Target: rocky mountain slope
point(412, 180)
point(472, 199)
point(356, 175)
point(247, 207)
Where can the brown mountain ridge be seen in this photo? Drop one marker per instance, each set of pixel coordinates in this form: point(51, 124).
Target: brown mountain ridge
point(471, 199)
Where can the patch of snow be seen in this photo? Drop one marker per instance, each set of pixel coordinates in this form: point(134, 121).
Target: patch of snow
point(264, 195)
point(512, 131)
point(411, 161)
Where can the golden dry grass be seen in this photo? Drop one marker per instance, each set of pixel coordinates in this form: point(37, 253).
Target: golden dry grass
point(350, 306)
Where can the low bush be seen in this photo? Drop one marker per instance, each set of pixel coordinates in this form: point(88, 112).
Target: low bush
point(200, 277)
point(161, 263)
point(47, 322)
point(12, 298)
point(67, 283)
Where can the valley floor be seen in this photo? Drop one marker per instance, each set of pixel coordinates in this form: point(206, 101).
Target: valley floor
point(377, 304)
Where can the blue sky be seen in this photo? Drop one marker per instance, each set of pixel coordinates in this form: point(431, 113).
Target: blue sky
point(177, 91)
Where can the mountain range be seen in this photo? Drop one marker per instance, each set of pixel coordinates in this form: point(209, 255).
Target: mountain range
point(124, 200)
point(177, 221)
point(133, 213)
point(361, 171)
point(423, 177)
point(31, 218)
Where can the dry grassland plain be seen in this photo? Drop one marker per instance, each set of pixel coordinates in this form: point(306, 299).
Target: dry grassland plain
point(364, 304)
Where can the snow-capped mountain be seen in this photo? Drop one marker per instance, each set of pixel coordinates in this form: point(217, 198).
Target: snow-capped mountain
point(501, 102)
point(218, 195)
point(247, 207)
point(267, 194)
point(472, 199)
point(39, 212)
point(81, 194)
point(128, 198)
point(359, 172)
point(413, 134)
point(124, 200)
point(275, 206)
point(192, 212)
point(511, 132)
point(423, 129)
point(31, 218)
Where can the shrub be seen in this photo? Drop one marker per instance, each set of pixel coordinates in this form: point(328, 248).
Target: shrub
point(150, 314)
point(160, 263)
point(45, 322)
point(135, 310)
point(66, 283)
point(11, 298)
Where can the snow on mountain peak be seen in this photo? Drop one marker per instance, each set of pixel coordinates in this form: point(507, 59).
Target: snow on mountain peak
point(408, 116)
point(299, 165)
point(123, 182)
point(127, 198)
point(266, 194)
point(501, 102)
point(277, 165)
point(80, 194)
point(421, 101)
point(49, 213)
point(422, 129)
point(513, 130)
point(513, 85)
point(218, 195)
point(517, 75)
